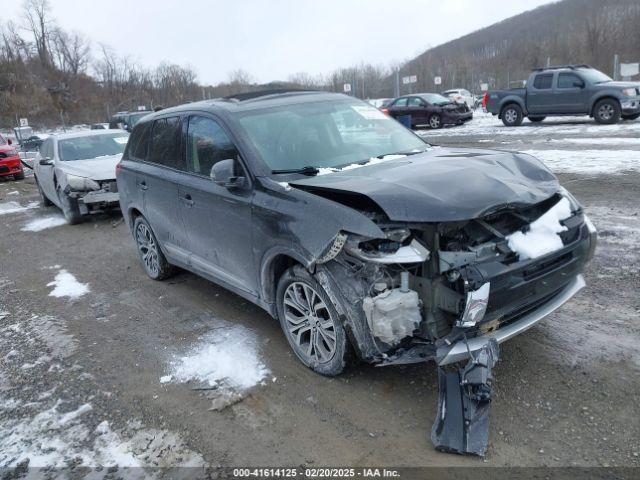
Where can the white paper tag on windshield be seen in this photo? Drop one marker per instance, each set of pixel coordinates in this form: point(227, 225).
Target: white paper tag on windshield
point(370, 113)
point(121, 140)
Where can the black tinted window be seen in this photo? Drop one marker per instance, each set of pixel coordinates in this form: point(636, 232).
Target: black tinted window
point(165, 138)
point(569, 80)
point(207, 144)
point(543, 82)
point(139, 141)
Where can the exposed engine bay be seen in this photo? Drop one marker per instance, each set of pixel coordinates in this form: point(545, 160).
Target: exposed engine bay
point(427, 289)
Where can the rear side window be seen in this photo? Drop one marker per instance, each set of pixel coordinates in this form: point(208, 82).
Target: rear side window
point(139, 142)
point(165, 139)
point(569, 80)
point(543, 82)
point(415, 102)
point(207, 144)
point(401, 102)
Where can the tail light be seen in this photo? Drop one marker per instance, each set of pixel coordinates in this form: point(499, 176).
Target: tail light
point(118, 168)
point(485, 99)
point(385, 111)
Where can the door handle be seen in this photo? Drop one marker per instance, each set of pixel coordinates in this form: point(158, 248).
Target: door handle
point(186, 199)
point(143, 185)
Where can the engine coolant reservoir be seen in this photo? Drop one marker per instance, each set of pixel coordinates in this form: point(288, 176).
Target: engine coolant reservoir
point(393, 315)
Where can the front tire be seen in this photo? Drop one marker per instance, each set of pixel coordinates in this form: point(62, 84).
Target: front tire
point(607, 111)
point(70, 208)
point(536, 119)
point(153, 260)
point(311, 323)
point(633, 116)
point(512, 115)
point(18, 176)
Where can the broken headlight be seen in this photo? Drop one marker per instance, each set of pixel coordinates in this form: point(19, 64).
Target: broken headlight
point(81, 183)
point(575, 205)
point(396, 247)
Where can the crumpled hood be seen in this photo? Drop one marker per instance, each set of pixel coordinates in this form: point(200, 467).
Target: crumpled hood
point(102, 168)
point(442, 184)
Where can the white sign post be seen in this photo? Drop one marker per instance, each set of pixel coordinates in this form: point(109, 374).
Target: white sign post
point(24, 122)
point(347, 87)
point(484, 87)
point(437, 80)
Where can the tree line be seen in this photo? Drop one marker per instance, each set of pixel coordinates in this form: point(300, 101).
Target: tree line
point(53, 76)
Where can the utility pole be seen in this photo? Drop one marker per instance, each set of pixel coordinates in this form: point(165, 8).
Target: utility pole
point(616, 67)
point(396, 86)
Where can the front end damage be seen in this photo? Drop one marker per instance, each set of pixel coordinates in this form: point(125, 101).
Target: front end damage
point(453, 291)
point(92, 196)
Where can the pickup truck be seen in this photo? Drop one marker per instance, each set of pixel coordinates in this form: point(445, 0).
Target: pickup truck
point(566, 90)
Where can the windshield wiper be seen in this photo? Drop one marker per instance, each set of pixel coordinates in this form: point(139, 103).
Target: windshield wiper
point(310, 171)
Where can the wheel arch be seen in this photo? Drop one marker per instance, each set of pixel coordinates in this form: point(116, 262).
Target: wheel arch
point(603, 96)
point(275, 263)
point(512, 101)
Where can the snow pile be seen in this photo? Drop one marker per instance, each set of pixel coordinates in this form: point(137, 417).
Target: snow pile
point(44, 223)
point(66, 285)
point(225, 358)
point(589, 161)
point(542, 237)
point(15, 207)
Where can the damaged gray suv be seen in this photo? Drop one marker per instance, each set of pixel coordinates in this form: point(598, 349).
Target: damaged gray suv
point(363, 240)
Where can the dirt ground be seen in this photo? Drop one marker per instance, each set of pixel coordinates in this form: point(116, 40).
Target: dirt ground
point(567, 393)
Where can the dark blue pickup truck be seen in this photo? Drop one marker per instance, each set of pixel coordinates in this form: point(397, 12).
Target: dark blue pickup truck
point(566, 90)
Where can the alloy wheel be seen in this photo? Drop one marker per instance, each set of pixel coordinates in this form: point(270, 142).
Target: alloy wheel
point(510, 115)
point(148, 249)
point(309, 324)
point(605, 112)
point(434, 121)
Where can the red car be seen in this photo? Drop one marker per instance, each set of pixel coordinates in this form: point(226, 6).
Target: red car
point(10, 163)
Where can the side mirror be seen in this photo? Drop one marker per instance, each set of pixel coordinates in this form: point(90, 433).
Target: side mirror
point(223, 173)
point(46, 161)
point(9, 141)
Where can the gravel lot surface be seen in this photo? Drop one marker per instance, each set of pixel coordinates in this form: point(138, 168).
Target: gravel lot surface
point(116, 369)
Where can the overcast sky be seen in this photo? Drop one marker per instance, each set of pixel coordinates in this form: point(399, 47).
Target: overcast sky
point(272, 39)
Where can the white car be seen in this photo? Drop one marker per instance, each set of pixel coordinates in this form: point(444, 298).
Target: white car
point(77, 171)
point(460, 95)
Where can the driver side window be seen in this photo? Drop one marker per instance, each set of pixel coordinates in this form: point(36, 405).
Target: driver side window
point(207, 144)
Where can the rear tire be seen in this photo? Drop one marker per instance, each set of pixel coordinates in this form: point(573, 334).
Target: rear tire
point(311, 323)
point(607, 111)
point(435, 121)
point(70, 208)
point(44, 201)
point(153, 260)
point(536, 119)
point(511, 115)
point(633, 116)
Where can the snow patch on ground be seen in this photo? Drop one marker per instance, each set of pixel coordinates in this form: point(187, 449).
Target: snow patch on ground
point(66, 285)
point(599, 141)
point(43, 223)
point(542, 237)
point(227, 356)
point(14, 207)
point(589, 161)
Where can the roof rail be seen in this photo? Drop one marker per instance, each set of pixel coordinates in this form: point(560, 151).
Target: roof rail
point(241, 97)
point(557, 67)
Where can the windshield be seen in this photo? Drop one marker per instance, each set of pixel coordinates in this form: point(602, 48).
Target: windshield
point(327, 134)
point(435, 98)
point(595, 76)
point(92, 146)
